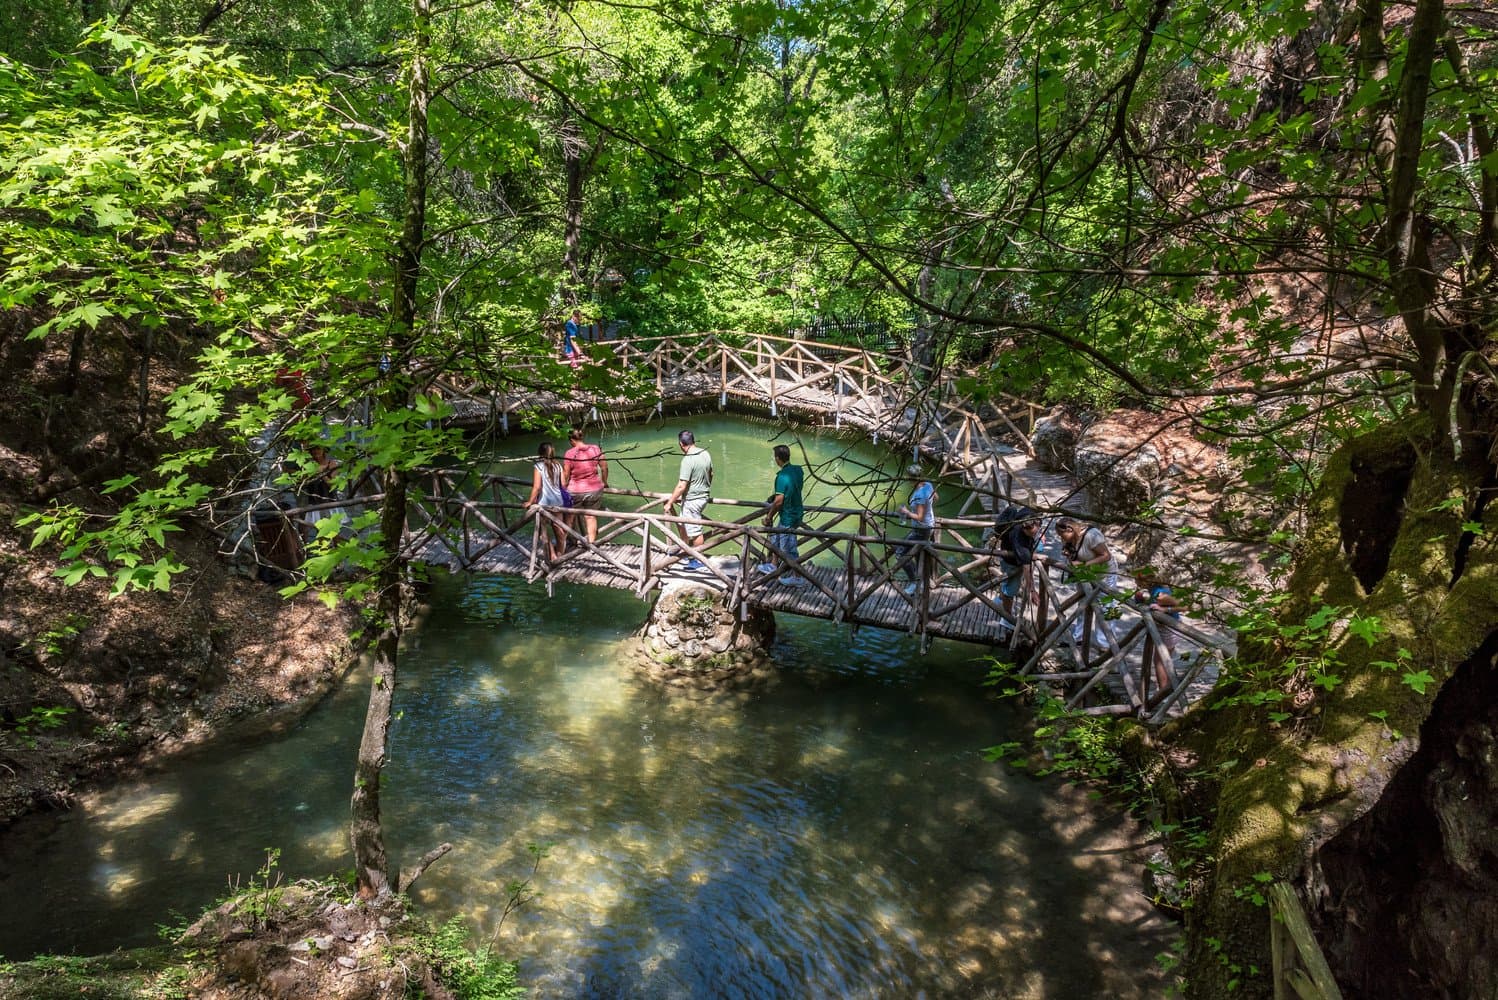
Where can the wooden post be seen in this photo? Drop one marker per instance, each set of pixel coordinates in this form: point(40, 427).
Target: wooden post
point(1042, 609)
point(645, 548)
point(837, 396)
point(536, 542)
point(773, 411)
point(1087, 609)
point(850, 573)
point(923, 588)
point(1300, 969)
point(504, 400)
point(1146, 672)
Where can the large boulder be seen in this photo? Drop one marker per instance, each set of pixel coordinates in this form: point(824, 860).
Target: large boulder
point(1053, 439)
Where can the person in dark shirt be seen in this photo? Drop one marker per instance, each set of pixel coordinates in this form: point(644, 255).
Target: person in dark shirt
point(1019, 548)
point(787, 503)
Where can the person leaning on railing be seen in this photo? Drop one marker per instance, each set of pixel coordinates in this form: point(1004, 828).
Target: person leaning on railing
point(1085, 546)
point(1018, 543)
point(1156, 596)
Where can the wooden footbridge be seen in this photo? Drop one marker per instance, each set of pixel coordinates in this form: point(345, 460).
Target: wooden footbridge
point(1105, 655)
point(851, 570)
point(843, 387)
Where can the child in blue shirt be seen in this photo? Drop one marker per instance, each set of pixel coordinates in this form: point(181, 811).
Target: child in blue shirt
point(1159, 597)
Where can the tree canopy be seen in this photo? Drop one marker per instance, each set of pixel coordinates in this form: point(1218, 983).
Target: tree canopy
point(1275, 221)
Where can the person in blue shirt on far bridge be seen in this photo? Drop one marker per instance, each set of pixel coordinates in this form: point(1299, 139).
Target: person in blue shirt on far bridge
point(571, 353)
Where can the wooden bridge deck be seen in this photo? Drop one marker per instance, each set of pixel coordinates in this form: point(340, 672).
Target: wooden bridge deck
point(848, 574)
point(950, 612)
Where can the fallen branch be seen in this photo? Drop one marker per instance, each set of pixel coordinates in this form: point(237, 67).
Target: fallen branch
point(409, 876)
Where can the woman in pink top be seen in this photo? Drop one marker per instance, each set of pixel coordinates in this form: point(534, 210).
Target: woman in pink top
point(587, 477)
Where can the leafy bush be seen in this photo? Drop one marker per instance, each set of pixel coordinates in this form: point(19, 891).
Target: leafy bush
point(471, 974)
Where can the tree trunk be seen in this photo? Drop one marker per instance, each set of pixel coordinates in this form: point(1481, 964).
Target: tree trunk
point(1286, 785)
point(1404, 237)
point(374, 871)
point(1373, 59)
point(144, 402)
point(923, 340)
point(375, 877)
point(570, 135)
point(75, 359)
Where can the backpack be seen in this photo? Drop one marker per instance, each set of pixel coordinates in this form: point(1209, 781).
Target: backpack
point(1010, 516)
point(1004, 523)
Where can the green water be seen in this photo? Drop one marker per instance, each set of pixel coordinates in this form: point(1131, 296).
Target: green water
point(837, 834)
point(840, 471)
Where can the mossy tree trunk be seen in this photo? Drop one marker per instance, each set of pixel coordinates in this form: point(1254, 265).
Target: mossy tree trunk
point(1401, 534)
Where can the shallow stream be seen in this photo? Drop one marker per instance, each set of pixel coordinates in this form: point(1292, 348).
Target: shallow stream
point(838, 834)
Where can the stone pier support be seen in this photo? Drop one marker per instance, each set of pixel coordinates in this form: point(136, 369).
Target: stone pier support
point(692, 640)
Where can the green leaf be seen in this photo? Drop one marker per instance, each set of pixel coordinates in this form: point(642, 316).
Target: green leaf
point(108, 213)
point(70, 575)
point(1418, 680)
point(1366, 628)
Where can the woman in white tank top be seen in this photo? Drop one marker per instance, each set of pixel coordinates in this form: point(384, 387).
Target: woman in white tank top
point(547, 480)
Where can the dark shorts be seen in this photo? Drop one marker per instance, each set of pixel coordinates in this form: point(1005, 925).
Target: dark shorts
point(1012, 581)
point(906, 551)
point(589, 500)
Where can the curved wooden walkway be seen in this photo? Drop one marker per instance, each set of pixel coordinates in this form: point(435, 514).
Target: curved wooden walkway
point(842, 387)
point(849, 571)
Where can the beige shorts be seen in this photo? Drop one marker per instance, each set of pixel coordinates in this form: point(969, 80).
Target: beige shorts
point(694, 508)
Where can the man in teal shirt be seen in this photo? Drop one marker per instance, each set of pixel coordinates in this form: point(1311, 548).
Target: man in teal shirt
point(694, 488)
point(786, 502)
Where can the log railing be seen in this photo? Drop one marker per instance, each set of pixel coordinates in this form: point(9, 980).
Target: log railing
point(862, 391)
point(849, 558)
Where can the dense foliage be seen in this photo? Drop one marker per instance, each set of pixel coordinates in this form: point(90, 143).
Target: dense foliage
point(1277, 221)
